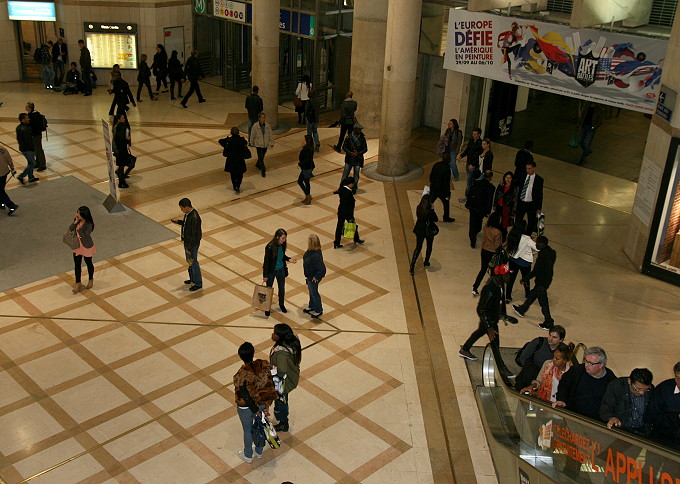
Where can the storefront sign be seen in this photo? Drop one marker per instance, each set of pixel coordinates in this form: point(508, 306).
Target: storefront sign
point(307, 24)
point(616, 69)
point(36, 11)
point(230, 10)
point(200, 6)
point(648, 187)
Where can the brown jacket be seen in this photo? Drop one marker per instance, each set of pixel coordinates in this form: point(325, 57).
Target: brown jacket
point(5, 162)
point(259, 389)
point(492, 239)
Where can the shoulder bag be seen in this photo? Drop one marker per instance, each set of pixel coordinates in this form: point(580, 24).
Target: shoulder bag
point(431, 229)
point(71, 239)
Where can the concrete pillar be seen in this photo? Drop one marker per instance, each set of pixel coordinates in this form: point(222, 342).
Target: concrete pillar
point(399, 81)
point(656, 151)
point(368, 58)
point(266, 56)
point(456, 99)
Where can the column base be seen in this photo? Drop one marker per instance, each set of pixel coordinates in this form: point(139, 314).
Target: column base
point(370, 170)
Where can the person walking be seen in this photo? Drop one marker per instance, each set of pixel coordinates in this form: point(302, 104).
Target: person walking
point(121, 94)
point(254, 392)
point(235, 148)
point(354, 147)
point(590, 121)
point(346, 212)
point(425, 229)
point(261, 138)
point(347, 120)
point(86, 67)
point(6, 167)
point(315, 270)
point(83, 226)
point(254, 106)
point(453, 139)
point(440, 185)
point(121, 141)
point(543, 272)
point(312, 111)
point(522, 157)
point(471, 152)
point(306, 164)
point(520, 247)
point(38, 124)
point(144, 79)
point(285, 357)
point(191, 235)
point(25, 139)
point(194, 72)
point(302, 93)
point(159, 67)
point(530, 200)
point(479, 203)
point(176, 74)
point(492, 240)
point(505, 202)
point(275, 266)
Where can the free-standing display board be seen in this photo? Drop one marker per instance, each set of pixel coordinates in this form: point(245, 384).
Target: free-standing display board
point(112, 44)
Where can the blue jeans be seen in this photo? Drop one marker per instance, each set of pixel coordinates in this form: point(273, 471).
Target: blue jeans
point(281, 409)
point(357, 171)
point(59, 68)
point(247, 418)
point(194, 269)
point(470, 178)
point(314, 296)
point(280, 277)
point(585, 140)
point(47, 74)
point(30, 158)
point(312, 131)
point(453, 165)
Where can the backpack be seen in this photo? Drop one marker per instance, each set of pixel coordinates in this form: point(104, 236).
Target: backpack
point(541, 340)
point(43, 122)
point(37, 55)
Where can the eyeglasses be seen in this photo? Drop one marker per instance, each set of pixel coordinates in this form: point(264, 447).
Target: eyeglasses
point(590, 363)
point(638, 390)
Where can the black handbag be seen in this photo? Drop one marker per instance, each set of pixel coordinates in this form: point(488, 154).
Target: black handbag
point(431, 229)
point(246, 153)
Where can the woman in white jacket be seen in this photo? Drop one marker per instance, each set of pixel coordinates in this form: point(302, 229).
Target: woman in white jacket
point(520, 250)
point(261, 138)
point(302, 92)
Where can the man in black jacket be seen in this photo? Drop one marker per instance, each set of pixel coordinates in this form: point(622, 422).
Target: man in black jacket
point(440, 185)
point(348, 109)
point(530, 201)
point(254, 106)
point(193, 71)
point(355, 147)
point(471, 152)
point(345, 212)
point(121, 94)
point(522, 157)
point(625, 403)
point(582, 388)
point(38, 125)
point(86, 67)
point(479, 203)
point(543, 272)
point(191, 236)
point(59, 58)
point(25, 139)
point(664, 410)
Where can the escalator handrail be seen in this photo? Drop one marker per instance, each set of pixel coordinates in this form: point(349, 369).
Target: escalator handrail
point(490, 369)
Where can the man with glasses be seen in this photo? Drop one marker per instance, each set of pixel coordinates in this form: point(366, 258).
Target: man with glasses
point(582, 388)
point(664, 410)
point(626, 401)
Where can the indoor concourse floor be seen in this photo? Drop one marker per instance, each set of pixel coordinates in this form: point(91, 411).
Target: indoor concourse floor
point(131, 381)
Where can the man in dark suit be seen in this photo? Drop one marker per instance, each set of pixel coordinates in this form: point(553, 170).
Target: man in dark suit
point(440, 185)
point(191, 237)
point(346, 211)
point(254, 106)
point(522, 157)
point(121, 95)
point(530, 200)
point(479, 202)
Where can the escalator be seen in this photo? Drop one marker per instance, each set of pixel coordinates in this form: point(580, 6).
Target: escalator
point(530, 442)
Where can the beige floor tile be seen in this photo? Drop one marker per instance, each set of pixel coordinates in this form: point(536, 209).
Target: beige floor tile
point(24, 427)
point(60, 366)
point(115, 344)
point(175, 465)
point(74, 471)
point(90, 399)
point(151, 372)
point(137, 441)
point(27, 339)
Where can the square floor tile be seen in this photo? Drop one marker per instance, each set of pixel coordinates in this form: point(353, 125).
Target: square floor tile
point(175, 465)
point(54, 368)
point(24, 427)
point(152, 372)
point(90, 399)
point(115, 344)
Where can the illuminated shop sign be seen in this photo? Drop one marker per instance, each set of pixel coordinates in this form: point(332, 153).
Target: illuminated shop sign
point(37, 11)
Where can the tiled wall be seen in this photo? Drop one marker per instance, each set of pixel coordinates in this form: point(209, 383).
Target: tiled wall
point(10, 69)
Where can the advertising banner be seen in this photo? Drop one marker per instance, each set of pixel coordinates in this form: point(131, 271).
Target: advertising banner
point(110, 162)
point(605, 67)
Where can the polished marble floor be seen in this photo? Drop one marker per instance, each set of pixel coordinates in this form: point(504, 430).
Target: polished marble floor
point(131, 381)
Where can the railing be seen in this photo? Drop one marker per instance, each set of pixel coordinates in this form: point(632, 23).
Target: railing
point(567, 447)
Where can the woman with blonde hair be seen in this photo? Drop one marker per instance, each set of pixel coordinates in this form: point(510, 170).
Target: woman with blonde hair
point(315, 270)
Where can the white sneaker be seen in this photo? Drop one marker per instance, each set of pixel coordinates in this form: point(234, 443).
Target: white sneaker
point(243, 457)
point(259, 456)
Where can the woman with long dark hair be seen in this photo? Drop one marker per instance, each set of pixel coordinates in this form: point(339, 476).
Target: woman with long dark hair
point(546, 383)
point(302, 93)
point(453, 137)
point(306, 164)
point(83, 226)
point(520, 247)
point(505, 202)
point(160, 68)
point(315, 270)
point(121, 140)
point(235, 148)
point(285, 356)
point(274, 266)
point(492, 239)
point(176, 74)
point(425, 229)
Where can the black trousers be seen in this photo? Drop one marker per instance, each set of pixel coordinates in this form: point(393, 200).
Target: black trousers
point(343, 131)
point(77, 262)
point(141, 85)
point(540, 293)
point(515, 268)
point(280, 277)
point(528, 208)
point(161, 78)
point(339, 227)
point(476, 219)
point(172, 88)
point(305, 184)
point(236, 180)
point(480, 332)
point(445, 202)
point(260, 159)
point(419, 247)
point(486, 258)
point(4, 198)
point(194, 87)
point(118, 107)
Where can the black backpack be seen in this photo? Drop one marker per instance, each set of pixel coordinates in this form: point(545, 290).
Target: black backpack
point(541, 340)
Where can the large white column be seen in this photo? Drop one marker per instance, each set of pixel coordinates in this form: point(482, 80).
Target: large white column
point(368, 56)
point(266, 56)
point(456, 95)
point(399, 81)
